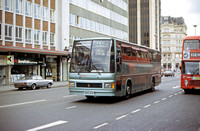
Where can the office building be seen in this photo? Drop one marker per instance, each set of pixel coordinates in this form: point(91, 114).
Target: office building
point(144, 22)
point(31, 40)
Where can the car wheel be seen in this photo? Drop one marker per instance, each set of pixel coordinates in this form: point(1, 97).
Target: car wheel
point(49, 85)
point(20, 88)
point(33, 86)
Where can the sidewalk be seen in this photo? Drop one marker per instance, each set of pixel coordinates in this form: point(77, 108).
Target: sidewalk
point(11, 87)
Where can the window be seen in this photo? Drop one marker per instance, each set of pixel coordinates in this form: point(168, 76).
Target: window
point(52, 38)
point(8, 5)
point(8, 32)
point(36, 11)
point(28, 8)
point(44, 13)
point(18, 8)
point(18, 33)
point(44, 38)
point(52, 15)
point(36, 36)
point(28, 35)
point(0, 31)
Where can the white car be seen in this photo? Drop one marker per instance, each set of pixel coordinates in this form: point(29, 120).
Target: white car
point(32, 82)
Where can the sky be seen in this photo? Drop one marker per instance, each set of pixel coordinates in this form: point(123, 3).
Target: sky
point(188, 9)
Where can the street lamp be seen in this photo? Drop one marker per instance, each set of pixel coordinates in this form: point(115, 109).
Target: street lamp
point(195, 29)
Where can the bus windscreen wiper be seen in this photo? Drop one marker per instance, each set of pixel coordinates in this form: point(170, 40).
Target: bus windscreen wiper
point(196, 71)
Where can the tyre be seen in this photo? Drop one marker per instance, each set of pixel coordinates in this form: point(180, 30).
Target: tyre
point(20, 88)
point(49, 85)
point(33, 86)
point(152, 89)
point(187, 91)
point(90, 97)
point(128, 92)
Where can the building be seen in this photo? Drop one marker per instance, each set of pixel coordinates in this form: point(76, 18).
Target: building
point(173, 31)
point(34, 36)
point(144, 22)
point(98, 18)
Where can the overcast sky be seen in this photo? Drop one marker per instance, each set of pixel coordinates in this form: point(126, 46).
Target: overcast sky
point(188, 9)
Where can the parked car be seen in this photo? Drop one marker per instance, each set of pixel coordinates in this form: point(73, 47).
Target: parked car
point(32, 82)
point(168, 73)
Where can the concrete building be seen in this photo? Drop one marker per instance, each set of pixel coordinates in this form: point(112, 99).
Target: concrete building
point(98, 18)
point(173, 31)
point(35, 35)
point(144, 22)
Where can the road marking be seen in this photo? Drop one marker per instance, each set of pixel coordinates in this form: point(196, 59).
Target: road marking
point(180, 92)
point(96, 127)
point(175, 87)
point(170, 95)
point(135, 111)
point(176, 94)
point(69, 96)
point(147, 106)
point(24, 103)
point(48, 125)
point(71, 107)
point(121, 117)
point(156, 102)
point(164, 99)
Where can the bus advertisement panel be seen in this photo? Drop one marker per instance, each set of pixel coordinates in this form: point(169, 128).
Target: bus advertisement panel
point(111, 67)
point(190, 74)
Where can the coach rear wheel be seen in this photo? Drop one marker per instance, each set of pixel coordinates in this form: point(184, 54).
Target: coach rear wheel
point(152, 86)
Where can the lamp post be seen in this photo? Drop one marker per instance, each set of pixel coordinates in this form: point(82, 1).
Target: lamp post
point(195, 29)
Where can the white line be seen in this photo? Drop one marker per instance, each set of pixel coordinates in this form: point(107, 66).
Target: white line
point(121, 117)
point(147, 106)
point(180, 92)
point(170, 95)
point(175, 94)
point(96, 127)
point(18, 104)
point(135, 111)
point(175, 87)
point(71, 107)
point(69, 96)
point(48, 125)
point(164, 99)
point(156, 102)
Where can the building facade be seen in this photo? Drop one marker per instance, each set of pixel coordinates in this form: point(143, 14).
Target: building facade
point(32, 35)
point(144, 23)
point(98, 18)
point(174, 30)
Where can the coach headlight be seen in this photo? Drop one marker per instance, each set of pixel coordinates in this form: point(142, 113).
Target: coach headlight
point(109, 85)
point(71, 84)
point(186, 83)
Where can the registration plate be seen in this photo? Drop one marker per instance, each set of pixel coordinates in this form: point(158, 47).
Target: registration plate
point(198, 88)
point(88, 93)
point(20, 83)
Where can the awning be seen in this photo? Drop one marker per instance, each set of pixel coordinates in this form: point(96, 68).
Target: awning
point(32, 50)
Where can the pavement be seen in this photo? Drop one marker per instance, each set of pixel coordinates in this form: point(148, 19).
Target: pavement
point(11, 87)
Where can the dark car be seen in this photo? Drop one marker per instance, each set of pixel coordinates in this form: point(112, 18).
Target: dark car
point(32, 82)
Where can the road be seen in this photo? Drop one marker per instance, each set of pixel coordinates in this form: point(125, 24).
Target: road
point(166, 109)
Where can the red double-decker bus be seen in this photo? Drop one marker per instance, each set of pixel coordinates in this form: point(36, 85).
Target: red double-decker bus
point(190, 74)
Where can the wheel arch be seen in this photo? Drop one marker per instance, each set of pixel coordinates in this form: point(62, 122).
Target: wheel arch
point(128, 82)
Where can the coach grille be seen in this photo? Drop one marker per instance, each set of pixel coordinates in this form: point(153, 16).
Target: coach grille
point(90, 85)
point(194, 83)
